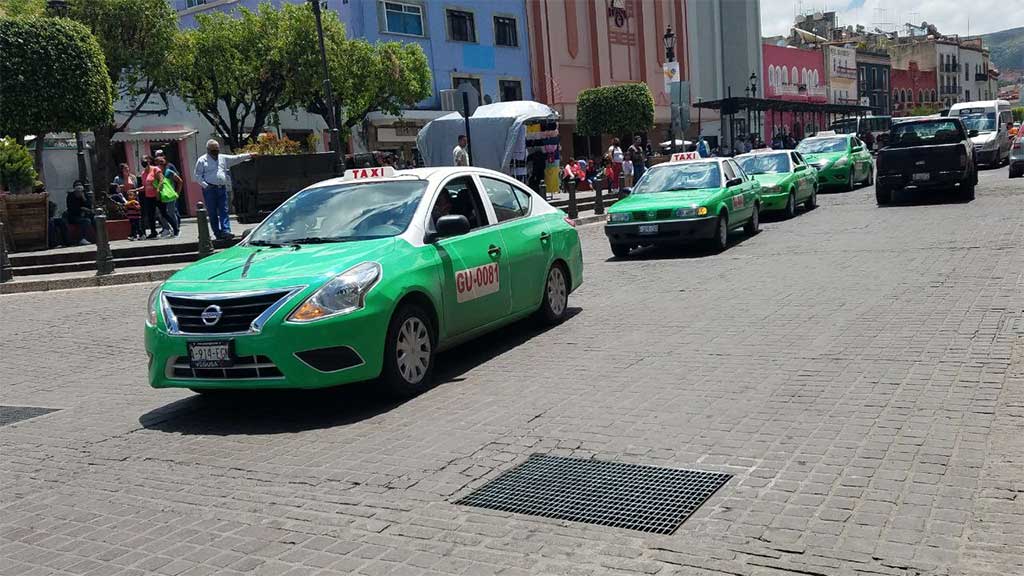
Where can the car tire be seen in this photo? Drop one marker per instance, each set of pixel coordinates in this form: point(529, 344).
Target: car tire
point(1015, 173)
point(720, 241)
point(966, 192)
point(555, 303)
point(408, 352)
point(753, 226)
point(620, 250)
point(883, 195)
point(871, 177)
point(790, 209)
point(812, 201)
point(850, 183)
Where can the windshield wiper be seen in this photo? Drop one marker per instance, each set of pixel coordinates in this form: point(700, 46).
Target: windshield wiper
point(325, 239)
point(265, 243)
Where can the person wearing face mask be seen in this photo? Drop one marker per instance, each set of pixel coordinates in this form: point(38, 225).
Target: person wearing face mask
point(79, 211)
point(212, 173)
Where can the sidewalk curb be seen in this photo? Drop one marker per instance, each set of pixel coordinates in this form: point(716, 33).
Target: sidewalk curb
point(139, 277)
point(593, 219)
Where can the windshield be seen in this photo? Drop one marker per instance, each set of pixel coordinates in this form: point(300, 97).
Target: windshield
point(688, 176)
point(924, 133)
point(980, 122)
point(764, 163)
point(822, 145)
point(358, 211)
point(848, 126)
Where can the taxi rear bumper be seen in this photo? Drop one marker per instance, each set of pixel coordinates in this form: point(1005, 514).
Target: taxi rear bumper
point(668, 231)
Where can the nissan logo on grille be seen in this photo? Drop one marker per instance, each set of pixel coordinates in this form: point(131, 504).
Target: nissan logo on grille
point(211, 315)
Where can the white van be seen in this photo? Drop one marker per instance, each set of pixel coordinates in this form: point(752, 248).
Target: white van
point(992, 120)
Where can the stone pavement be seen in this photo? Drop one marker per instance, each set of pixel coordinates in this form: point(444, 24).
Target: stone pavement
point(859, 370)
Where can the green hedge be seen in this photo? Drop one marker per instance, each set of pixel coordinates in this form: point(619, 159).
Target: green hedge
point(16, 169)
point(615, 110)
point(53, 77)
point(1018, 114)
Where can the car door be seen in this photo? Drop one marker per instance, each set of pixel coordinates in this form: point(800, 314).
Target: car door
point(804, 185)
point(527, 241)
point(744, 195)
point(474, 266)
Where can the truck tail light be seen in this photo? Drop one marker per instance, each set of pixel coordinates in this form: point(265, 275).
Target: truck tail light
point(1018, 145)
point(963, 159)
point(570, 221)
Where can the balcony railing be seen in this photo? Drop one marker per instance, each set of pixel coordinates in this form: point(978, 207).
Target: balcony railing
point(981, 77)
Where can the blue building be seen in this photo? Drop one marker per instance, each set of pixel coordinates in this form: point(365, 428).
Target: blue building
point(482, 43)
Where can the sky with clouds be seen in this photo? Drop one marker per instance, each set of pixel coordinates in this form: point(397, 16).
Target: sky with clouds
point(951, 16)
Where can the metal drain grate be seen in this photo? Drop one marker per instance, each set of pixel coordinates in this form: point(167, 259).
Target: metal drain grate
point(12, 414)
point(645, 498)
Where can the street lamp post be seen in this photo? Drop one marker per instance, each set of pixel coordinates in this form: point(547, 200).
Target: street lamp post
point(328, 92)
point(670, 56)
point(753, 94)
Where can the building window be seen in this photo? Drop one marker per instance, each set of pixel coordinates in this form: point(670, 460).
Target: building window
point(458, 81)
point(194, 3)
point(967, 72)
point(461, 27)
point(505, 32)
point(511, 90)
point(967, 95)
point(403, 18)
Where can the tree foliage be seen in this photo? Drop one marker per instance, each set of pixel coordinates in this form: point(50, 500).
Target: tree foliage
point(617, 110)
point(52, 77)
point(16, 170)
point(1018, 114)
point(237, 71)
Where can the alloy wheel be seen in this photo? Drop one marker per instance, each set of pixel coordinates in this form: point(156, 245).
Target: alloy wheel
point(556, 290)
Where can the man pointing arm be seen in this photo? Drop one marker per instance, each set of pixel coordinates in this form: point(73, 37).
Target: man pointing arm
point(212, 174)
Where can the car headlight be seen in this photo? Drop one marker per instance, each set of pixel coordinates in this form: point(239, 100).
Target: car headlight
point(344, 294)
point(151, 305)
point(771, 190)
point(842, 162)
point(990, 145)
point(819, 164)
point(684, 212)
point(619, 217)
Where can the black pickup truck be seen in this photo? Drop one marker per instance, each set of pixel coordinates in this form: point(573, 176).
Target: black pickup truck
point(928, 154)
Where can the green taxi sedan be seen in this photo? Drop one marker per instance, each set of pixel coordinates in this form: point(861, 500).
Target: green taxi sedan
point(685, 200)
point(364, 277)
point(786, 180)
point(841, 160)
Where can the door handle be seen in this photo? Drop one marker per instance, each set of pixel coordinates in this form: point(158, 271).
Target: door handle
point(494, 250)
point(544, 236)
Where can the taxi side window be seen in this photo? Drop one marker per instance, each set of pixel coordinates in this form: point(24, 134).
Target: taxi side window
point(507, 204)
point(460, 197)
point(797, 159)
point(738, 170)
point(728, 171)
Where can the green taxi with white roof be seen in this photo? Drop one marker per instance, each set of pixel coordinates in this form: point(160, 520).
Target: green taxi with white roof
point(842, 160)
point(364, 277)
point(786, 179)
point(687, 199)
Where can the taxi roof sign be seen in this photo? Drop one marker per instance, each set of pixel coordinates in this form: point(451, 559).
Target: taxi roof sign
point(680, 156)
point(364, 173)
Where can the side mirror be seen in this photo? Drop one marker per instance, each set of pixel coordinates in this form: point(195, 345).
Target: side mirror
point(858, 148)
point(246, 232)
point(626, 191)
point(452, 225)
point(972, 133)
point(734, 182)
point(800, 168)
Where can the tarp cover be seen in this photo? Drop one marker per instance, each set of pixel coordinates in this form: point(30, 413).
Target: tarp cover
point(493, 129)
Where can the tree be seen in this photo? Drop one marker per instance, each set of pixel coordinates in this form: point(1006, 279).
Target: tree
point(239, 71)
point(52, 78)
point(136, 37)
point(615, 110)
point(1018, 114)
point(16, 171)
point(385, 77)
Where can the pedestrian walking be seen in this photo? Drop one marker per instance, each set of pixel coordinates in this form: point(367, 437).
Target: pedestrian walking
point(616, 157)
point(638, 157)
point(150, 196)
point(627, 173)
point(460, 154)
point(212, 174)
point(170, 189)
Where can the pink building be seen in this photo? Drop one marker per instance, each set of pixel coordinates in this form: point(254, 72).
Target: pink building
point(576, 45)
point(796, 75)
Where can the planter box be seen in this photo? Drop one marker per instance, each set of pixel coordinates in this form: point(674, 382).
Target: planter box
point(118, 229)
point(25, 217)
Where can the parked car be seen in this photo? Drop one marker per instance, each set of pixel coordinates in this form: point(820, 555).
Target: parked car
point(1017, 156)
point(932, 154)
point(841, 160)
point(990, 121)
point(786, 179)
point(684, 201)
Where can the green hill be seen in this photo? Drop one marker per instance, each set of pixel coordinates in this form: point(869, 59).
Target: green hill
point(1007, 48)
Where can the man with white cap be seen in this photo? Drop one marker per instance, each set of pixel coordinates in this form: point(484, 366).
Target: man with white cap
point(212, 174)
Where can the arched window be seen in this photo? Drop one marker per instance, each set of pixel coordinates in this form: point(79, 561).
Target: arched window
point(933, 96)
point(785, 75)
point(920, 96)
point(795, 76)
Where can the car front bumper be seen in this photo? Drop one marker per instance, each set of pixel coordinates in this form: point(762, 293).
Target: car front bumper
point(774, 202)
point(944, 179)
point(350, 349)
point(669, 231)
point(986, 157)
point(832, 176)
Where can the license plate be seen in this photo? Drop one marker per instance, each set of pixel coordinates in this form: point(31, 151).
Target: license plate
point(213, 354)
point(648, 228)
point(922, 177)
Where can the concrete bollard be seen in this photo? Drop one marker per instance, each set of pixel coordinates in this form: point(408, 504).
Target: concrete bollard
point(6, 271)
point(570, 187)
point(104, 259)
point(203, 222)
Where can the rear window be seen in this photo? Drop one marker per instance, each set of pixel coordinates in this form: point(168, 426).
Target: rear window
point(925, 133)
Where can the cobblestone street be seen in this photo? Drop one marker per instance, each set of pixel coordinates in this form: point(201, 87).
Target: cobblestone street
point(859, 370)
